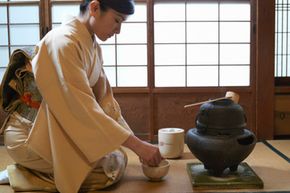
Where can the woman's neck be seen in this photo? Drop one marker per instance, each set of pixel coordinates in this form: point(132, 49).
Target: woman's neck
point(85, 19)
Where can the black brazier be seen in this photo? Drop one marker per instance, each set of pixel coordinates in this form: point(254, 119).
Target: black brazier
point(220, 139)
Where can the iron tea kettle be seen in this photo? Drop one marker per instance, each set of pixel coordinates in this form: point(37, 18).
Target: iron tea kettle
point(220, 139)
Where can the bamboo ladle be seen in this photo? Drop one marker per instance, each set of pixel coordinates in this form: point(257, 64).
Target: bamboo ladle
point(229, 95)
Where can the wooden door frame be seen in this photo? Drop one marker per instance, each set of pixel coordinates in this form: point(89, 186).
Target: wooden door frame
point(265, 81)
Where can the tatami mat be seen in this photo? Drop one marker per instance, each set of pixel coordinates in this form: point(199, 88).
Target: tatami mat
point(270, 167)
point(280, 145)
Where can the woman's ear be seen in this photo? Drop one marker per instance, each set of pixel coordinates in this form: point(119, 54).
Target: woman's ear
point(94, 8)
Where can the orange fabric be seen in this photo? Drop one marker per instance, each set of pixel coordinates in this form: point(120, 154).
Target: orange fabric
point(26, 98)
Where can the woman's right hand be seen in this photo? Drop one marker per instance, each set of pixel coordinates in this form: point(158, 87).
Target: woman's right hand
point(148, 154)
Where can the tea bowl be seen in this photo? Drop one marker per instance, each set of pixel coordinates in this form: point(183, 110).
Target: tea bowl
point(156, 173)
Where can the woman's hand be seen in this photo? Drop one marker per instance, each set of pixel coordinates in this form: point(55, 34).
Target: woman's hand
point(148, 154)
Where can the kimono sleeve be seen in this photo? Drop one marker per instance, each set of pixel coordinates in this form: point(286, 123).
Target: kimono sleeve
point(104, 94)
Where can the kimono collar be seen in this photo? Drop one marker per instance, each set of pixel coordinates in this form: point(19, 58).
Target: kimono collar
point(81, 29)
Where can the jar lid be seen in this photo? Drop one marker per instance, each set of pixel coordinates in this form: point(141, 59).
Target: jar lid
point(171, 130)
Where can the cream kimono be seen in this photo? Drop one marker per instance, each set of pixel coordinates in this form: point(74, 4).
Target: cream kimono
point(78, 121)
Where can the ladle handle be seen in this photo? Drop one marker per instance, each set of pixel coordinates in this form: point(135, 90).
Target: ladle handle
point(208, 101)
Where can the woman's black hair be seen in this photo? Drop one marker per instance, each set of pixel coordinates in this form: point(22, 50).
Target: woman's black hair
point(84, 6)
point(122, 6)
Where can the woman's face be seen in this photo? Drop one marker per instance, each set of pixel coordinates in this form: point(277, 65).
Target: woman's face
point(108, 23)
